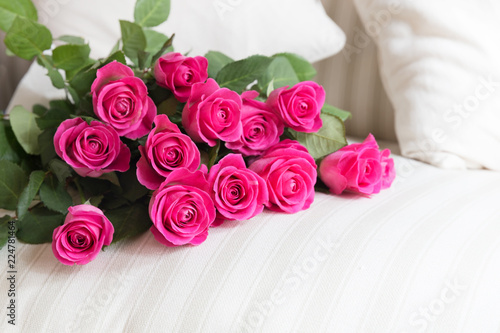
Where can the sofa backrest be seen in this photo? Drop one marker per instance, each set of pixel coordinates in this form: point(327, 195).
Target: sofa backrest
point(351, 78)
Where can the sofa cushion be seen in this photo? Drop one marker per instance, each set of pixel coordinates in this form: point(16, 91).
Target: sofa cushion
point(422, 255)
point(439, 65)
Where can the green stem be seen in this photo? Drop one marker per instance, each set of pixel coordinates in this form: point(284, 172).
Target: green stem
point(80, 190)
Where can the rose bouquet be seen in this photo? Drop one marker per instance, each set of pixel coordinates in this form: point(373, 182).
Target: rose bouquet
point(148, 138)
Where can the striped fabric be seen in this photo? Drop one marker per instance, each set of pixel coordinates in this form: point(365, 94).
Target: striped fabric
point(351, 78)
point(423, 256)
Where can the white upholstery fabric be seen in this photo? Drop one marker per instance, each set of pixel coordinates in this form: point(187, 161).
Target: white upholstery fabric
point(439, 65)
point(422, 256)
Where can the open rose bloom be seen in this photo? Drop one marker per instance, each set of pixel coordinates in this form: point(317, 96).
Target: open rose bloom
point(91, 150)
point(166, 149)
point(290, 175)
point(238, 192)
point(121, 100)
point(84, 232)
point(262, 127)
point(182, 209)
point(300, 106)
point(359, 168)
point(212, 113)
point(178, 73)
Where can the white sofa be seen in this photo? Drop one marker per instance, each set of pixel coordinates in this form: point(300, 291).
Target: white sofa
point(423, 256)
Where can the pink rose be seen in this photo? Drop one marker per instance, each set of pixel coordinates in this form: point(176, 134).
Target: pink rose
point(359, 168)
point(290, 175)
point(84, 232)
point(121, 100)
point(262, 128)
point(299, 106)
point(178, 73)
point(388, 171)
point(212, 113)
point(91, 150)
point(166, 149)
point(239, 193)
point(182, 209)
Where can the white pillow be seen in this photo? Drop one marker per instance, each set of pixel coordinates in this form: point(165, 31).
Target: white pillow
point(235, 27)
point(440, 65)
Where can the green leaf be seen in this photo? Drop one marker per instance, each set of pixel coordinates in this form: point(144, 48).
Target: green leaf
point(167, 47)
point(4, 230)
point(280, 72)
point(239, 74)
point(55, 77)
point(154, 40)
point(96, 200)
point(39, 110)
point(142, 59)
point(38, 226)
point(10, 149)
point(303, 68)
point(70, 56)
point(61, 104)
point(132, 189)
point(52, 119)
point(270, 88)
point(118, 56)
point(154, 43)
point(54, 196)
point(73, 94)
point(113, 202)
point(24, 126)
point(10, 9)
point(216, 61)
point(133, 39)
point(129, 221)
point(29, 192)
point(333, 111)
point(82, 81)
point(83, 67)
point(61, 169)
point(212, 154)
point(330, 137)
point(150, 13)
point(96, 186)
point(168, 106)
point(111, 177)
point(46, 142)
point(12, 182)
point(72, 40)
point(27, 39)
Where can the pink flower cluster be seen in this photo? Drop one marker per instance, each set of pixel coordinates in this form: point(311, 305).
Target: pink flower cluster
point(187, 198)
